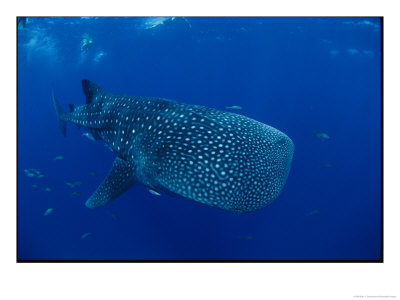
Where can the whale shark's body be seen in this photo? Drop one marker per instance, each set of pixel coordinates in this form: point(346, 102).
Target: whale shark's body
point(213, 157)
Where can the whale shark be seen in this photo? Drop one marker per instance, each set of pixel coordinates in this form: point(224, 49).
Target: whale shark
point(218, 158)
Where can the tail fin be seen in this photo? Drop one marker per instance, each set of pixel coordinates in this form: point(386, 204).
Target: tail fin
point(59, 112)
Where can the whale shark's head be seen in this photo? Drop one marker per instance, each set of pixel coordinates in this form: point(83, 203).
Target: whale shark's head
point(223, 160)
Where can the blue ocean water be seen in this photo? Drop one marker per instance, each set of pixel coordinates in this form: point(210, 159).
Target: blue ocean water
point(299, 75)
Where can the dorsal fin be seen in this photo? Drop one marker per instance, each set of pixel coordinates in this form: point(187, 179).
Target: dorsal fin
point(90, 89)
point(71, 107)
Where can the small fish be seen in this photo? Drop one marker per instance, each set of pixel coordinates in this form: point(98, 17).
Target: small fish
point(94, 174)
point(71, 185)
point(76, 194)
point(77, 182)
point(36, 172)
point(314, 212)
point(47, 212)
point(246, 237)
point(321, 135)
point(29, 173)
point(234, 107)
point(325, 166)
point(114, 217)
point(46, 189)
point(34, 185)
point(58, 158)
point(353, 51)
point(85, 235)
point(154, 192)
point(368, 52)
point(89, 136)
point(33, 173)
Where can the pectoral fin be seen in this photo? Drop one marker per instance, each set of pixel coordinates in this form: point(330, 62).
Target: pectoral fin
point(120, 179)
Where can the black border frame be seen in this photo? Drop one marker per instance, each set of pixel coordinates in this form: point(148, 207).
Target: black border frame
point(220, 261)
